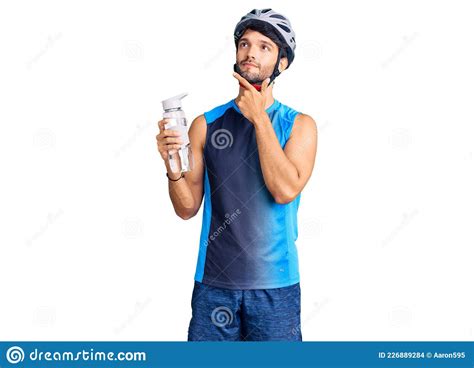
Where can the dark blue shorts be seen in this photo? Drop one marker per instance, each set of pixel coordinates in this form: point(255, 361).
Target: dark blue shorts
point(245, 315)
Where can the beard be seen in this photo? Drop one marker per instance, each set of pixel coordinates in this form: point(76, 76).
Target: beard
point(254, 77)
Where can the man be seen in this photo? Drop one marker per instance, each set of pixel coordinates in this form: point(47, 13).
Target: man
point(252, 158)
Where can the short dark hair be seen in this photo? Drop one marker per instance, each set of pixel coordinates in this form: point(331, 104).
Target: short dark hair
point(268, 31)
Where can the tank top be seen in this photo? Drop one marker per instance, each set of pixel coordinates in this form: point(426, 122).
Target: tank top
point(247, 239)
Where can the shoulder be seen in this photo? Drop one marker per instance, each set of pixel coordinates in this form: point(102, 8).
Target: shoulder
point(304, 136)
point(198, 129)
point(213, 114)
point(305, 120)
point(199, 120)
point(304, 124)
point(304, 128)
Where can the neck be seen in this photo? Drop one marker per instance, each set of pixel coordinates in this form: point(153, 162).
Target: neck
point(269, 99)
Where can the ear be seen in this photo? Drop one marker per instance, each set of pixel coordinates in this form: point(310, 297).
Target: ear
point(283, 64)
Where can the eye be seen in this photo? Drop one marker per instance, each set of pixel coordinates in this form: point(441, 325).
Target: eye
point(243, 43)
point(265, 47)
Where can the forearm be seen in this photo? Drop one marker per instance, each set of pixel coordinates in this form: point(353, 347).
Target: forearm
point(180, 194)
point(279, 173)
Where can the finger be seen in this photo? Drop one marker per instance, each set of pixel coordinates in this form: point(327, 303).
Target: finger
point(171, 133)
point(163, 138)
point(173, 140)
point(173, 148)
point(168, 147)
point(243, 82)
point(162, 124)
point(265, 85)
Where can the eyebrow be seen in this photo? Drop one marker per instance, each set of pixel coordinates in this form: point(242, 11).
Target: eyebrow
point(261, 41)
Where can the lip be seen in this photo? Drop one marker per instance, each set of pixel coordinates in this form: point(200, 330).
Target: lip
point(250, 64)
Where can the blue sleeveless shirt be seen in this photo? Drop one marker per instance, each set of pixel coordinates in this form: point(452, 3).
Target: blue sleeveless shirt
point(247, 239)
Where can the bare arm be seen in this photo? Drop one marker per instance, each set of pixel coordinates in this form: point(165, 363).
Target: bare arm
point(287, 171)
point(186, 194)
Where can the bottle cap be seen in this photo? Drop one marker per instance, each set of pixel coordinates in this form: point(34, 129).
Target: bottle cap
point(173, 102)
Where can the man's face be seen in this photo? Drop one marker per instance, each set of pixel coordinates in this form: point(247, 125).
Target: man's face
point(256, 56)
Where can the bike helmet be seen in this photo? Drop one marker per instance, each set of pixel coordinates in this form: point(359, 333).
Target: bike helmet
point(280, 24)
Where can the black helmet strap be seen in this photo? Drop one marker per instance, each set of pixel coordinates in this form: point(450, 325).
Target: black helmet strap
point(276, 71)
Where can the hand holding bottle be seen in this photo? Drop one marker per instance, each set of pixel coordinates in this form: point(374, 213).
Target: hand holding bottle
point(168, 141)
point(180, 159)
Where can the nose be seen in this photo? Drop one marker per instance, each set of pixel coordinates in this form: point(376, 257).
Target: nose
point(251, 52)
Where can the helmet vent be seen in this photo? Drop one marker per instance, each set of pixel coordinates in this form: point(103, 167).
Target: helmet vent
point(285, 28)
point(277, 16)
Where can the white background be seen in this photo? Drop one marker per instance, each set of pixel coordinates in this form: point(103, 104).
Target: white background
point(90, 247)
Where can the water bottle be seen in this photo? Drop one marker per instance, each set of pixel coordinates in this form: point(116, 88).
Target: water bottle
point(180, 160)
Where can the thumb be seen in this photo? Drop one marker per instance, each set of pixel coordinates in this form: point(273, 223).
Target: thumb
point(265, 84)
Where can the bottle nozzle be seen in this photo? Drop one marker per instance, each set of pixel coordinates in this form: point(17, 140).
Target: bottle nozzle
point(173, 102)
